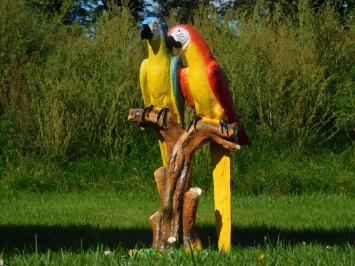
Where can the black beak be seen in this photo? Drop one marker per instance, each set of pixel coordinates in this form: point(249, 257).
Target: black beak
point(172, 43)
point(146, 33)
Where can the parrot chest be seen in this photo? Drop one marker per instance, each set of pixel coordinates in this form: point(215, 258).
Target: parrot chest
point(201, 91)
point(206, 104)
point(158, 81)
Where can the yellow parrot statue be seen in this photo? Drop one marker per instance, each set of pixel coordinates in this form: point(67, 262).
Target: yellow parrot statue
point(159, 80)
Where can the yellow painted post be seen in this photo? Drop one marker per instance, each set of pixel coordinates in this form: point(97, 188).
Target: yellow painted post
point(221, 163)
point(164, 152)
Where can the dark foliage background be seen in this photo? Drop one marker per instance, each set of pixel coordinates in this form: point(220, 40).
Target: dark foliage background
point(69, 74)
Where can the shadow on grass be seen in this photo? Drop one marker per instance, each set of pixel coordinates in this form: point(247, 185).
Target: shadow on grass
point(42, 238)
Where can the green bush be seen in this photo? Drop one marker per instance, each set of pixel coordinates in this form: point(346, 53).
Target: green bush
point(74, 99)
point(65, 95)
point(87, 87)
point(289, 75)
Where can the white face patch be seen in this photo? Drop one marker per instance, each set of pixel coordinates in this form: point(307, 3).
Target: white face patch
point(155, 28)
point(181, 35)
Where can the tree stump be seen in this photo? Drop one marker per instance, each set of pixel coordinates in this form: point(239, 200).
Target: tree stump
point(174, 223)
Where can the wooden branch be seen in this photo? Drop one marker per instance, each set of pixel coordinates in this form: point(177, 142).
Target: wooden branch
point(169, 132)
point(179, 169)
point(156, 219)
point(150, 118)
point(160, 179)
point(191, 241)
point(178, 204)
point(184, 149)
point(155, 223)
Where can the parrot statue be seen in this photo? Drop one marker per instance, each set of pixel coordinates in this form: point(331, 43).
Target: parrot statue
point(159, 75)
point(205, 89)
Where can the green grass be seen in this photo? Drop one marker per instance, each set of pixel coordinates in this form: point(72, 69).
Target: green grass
point(264, 167)
point(280, 254)
point(76, 228)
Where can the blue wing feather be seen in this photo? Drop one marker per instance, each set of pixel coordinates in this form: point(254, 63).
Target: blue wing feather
point(179, 98)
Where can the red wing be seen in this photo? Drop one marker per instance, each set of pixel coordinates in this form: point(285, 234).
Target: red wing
point(222, 93)
point(185, 88)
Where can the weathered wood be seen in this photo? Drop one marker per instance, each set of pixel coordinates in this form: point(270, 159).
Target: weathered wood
point(191, 241)
point(155, 223)
point(169, 132)
point(179, 169)
point(160, 179)
point(174, 223)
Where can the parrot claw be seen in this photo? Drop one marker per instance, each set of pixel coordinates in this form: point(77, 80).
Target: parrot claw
point(162, 113)
point(146, 111)
point(224, 126)
point(193, 122)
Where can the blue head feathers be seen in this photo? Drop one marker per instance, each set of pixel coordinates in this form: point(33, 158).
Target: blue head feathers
point(162, 25)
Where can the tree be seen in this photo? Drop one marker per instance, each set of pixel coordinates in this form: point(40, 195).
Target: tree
point(83, 12)
point(136, 6)
point(290, 7)
point(184, 8)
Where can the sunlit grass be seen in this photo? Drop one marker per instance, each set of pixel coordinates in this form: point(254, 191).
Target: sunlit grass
point(77, 229)
point(280, 254)
point(125, 210)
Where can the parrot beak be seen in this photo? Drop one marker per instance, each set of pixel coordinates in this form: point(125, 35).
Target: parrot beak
point(146, 32)
point(176, 44)
point(172, 43)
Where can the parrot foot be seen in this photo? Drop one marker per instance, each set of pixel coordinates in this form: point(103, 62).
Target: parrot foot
point(193, 122)
point(146, 111)
point(224, 126)
point(162, 113)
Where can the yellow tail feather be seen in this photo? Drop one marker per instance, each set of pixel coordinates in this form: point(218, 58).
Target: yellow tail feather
point(221, 163)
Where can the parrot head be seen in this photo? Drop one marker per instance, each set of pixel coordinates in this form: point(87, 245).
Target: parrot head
point(153, 28)
point(181, 35)
point(187, 36)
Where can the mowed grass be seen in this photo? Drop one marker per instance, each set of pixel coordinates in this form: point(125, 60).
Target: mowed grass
point(77, 229)
point(269, 255)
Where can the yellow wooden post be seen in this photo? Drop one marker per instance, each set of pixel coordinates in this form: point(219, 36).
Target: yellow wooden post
point(164, 152)
point(221, 163)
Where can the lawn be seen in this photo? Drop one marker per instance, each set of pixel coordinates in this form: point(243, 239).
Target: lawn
point(77, 228)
